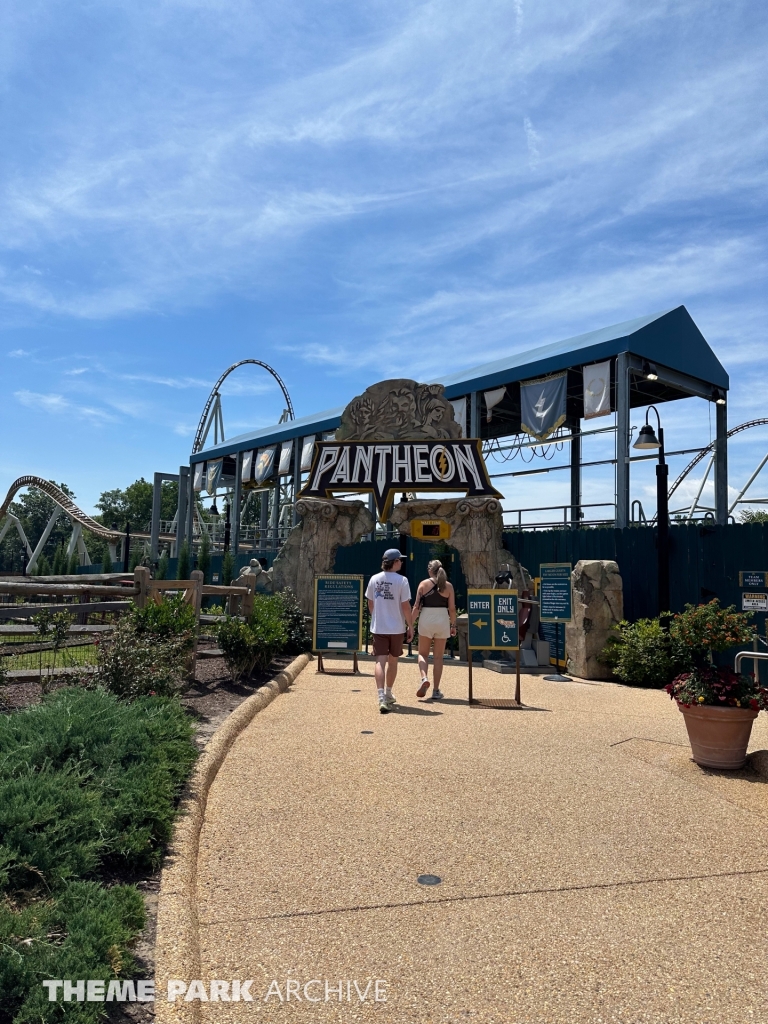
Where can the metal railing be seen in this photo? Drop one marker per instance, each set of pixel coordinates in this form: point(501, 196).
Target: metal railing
point(566, 522)
point(749, 656)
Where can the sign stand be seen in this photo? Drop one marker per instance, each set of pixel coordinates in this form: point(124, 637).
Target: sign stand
point(355, 668)
point(556, 677)
point(337, 627)
point(556, 605)
point(494, 626)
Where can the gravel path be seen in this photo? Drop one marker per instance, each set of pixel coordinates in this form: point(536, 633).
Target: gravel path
point(590, 873)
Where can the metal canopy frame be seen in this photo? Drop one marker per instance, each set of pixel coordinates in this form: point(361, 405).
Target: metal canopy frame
point(669, 342)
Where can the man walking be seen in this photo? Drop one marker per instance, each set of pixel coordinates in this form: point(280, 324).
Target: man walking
point(389, 602)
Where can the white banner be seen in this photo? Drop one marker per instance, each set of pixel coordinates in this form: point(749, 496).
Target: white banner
point(597, 390)
point(307, 451)
point(492, 399)
point(248, 466)
point(199, 477)
point(285, 458)
point(264, 464)
point(460, 414)
point(213, 475)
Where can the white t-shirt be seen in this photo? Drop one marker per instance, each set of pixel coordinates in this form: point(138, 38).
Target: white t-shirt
point(388, 590)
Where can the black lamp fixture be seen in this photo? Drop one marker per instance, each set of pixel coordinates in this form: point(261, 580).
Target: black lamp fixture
point(649, 371)
point(646, 439)
point(214, 508)
point(719, 396)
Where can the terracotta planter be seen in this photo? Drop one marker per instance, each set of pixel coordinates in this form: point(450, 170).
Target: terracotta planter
point(719, 736)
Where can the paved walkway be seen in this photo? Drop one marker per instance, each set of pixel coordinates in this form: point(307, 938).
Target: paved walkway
point(590, 872)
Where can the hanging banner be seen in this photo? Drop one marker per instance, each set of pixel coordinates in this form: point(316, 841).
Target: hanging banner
point(542, 405)
point(265, 462)
point(213, 475)
point(492, 399)
point(199, 476)
point(445, 465)
point(307, 451)
point(597, 390)
point(285, 458)
point(248, 466)
point(460, 414)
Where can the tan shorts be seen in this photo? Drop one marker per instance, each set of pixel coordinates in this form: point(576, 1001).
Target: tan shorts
point(388, 643)
point(434, 623)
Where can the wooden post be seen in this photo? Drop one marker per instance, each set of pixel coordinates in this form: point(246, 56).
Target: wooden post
point(469, 663)
point(246, 602)
point(517, 677)
point(197, 578)
point(141, 583)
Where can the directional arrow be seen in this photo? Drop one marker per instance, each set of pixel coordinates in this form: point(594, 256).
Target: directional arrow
point(479, 623)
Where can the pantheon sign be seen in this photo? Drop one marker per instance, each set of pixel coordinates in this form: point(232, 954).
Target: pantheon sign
point(398, 435)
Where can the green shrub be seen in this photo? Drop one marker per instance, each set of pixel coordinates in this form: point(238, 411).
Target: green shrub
point(106, 562)
point(82, 933)
point(173, 617)
point(204, 557)
point(131, 664)
point(227, 568)
point(183, 568)
point(299, 639)
point(641, 654)
point(74, 563)
point(87, 783)
point(162, 567)
point(704, 628)
point(250, 646)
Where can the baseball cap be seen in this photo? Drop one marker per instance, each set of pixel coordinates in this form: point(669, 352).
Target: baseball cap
point(391, 555)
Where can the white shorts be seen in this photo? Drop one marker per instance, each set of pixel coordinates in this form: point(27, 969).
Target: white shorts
point(434, 623)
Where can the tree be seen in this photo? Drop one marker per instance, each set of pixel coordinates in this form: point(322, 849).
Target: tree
point(753, 515)
point(204, 557)
point(74, 563)
point(183, 569)
point(227, 568)
point(106, 562)
point(33, 509)
point(133, 504)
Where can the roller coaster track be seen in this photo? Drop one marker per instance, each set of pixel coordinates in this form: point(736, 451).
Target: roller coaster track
point(70, 508)
point(198, 444)
point(711, 447)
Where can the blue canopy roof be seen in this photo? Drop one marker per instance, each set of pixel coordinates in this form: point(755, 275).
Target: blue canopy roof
point(670, 339)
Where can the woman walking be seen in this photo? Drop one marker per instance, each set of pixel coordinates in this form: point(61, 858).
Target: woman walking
point(435, 609)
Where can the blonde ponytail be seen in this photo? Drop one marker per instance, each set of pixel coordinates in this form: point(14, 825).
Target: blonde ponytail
point(435, 568)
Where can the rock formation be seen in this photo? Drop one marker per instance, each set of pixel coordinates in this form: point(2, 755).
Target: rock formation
point(311, 546)
point(395, 410)
point(598, 606)
point(476, 526)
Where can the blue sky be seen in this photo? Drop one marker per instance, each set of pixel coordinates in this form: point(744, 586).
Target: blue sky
point(357, 191)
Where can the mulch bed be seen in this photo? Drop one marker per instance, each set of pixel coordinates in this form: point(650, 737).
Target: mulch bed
point(209, 700)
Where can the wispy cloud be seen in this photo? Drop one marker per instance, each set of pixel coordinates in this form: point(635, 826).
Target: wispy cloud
point(53, 403)
point(19, 353)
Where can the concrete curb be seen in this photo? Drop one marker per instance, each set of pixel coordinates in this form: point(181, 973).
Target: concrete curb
point(177, 947)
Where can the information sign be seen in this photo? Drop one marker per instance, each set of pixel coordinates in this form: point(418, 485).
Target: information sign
point(753, 579)
point(555, 592)
point(493, 620)
point(754, 602)
point(551, 632)
point(338, 621)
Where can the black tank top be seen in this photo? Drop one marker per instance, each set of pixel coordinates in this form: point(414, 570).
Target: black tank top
point(434, 599)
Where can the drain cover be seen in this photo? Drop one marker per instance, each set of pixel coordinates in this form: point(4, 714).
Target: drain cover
point(429, 879)
point(356, 691)
point(367, 732)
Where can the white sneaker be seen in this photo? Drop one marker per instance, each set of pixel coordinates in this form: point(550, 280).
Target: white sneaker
point(390, 701)
point(384, 708)
point(438, 695)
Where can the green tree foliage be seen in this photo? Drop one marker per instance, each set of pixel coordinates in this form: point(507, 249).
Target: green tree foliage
point(204, 557)
point(133, 504)
point(250, 646)
point(33, 509)
point(227, 568)
point(74, 563)
point(106, 561)
point(183, 565)
point(753, 515)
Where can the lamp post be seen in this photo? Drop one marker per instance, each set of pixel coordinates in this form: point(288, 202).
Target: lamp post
point(227, 525)
point(646, 440)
